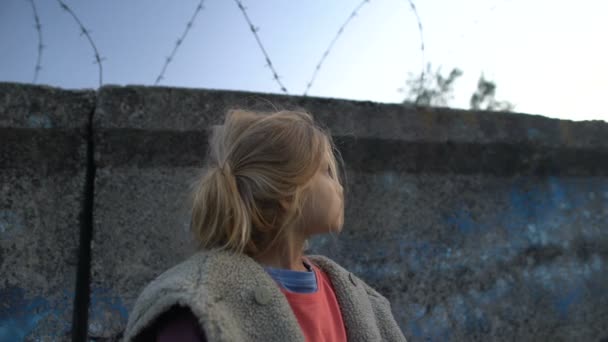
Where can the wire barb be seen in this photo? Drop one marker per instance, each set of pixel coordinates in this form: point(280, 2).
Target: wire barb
point(254, 31)
point(179, 41)
point(41, 46)
point(422, 74)
point(86, 33)
point(326, 53)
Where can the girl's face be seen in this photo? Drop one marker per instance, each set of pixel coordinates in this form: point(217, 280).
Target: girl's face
point(324, 209)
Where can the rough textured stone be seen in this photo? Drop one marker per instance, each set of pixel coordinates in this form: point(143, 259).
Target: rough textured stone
point(140, 228)
point(465, 257)
point(42, 170)
point(476, 225)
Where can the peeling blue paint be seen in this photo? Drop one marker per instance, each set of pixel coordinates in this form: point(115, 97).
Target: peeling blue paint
point(379, 272)
point(39, 121)
point(476, 321)
point(462, 220)
point(596, 263)
point(10, 222)
point(565, 301)
point(416, 310)
point(458, 308)
point(558, 194)
point(500, 289)
point(569, 285)
point(433, 327)
point(538, 212)
point(534, 133)
point(103, 300)
point(391, 181)
point(414, 328)
point(416, 253)
point(20, 315)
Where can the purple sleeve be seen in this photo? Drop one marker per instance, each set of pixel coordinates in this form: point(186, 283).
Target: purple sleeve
point(179, 324)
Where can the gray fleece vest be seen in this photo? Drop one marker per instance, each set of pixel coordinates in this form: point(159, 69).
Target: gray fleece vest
point(235, 300)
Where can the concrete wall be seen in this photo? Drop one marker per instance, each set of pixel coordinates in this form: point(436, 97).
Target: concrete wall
point(476, 226)
point(43, 149)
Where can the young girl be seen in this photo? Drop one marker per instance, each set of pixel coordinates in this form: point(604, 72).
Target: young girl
point(272, 182)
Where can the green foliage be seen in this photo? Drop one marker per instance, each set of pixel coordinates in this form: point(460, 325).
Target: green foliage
point(433, 89)
point(483, 98)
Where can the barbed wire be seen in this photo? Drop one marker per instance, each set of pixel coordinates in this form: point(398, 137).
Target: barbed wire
point(38, 67)
point(83, 30)
point(326, 53)
point(179, 41)
point(422, 51)
point(255, 30)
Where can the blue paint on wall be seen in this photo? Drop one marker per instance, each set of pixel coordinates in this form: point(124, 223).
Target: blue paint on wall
point(103, 300)
point(435, 326)
point(391, 182)
point(39, 121)
point(534, 133)
point(458, 308)
point(468, 309)
point(476, 321)
point(569, 285)
point(462, 219)
point(416, 310)
point(417, 253)
point(566, 300)
point(20, 315)
point(10, 222)
point(492, 295)
point(537, 212)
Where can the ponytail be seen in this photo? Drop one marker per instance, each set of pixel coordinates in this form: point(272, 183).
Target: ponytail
point(219, 216)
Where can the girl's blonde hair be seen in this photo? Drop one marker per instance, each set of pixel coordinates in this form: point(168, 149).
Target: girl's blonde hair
point(254, 186)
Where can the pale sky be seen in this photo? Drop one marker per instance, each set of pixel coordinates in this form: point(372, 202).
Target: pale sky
point(546, 57)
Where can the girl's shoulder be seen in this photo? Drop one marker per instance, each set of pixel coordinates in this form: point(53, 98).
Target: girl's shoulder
point(195, 270)
point(342, 277)
point(188, 283)
point(206, 278)
point(356, 295)
point(178, 284)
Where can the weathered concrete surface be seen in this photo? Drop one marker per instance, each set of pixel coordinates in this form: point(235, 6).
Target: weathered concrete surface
point(141, 219)
point(42, 170)
point(478, 257)
point(132, 239)
point(476, 226)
